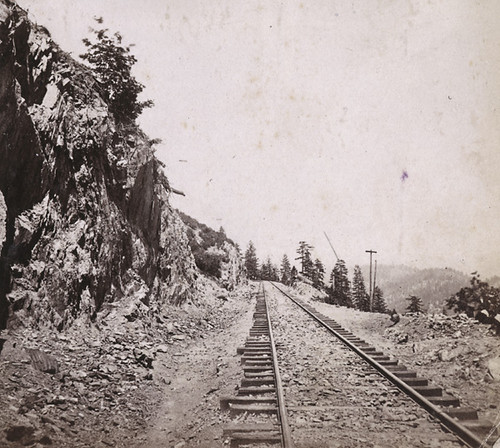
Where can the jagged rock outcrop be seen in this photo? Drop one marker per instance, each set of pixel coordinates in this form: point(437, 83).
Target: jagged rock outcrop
point(232, 269)
point(88, 220)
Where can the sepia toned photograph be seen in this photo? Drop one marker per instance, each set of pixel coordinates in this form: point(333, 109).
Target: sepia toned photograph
point(249, 224)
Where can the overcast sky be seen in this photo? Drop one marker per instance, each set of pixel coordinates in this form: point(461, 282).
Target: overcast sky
point(281, 120)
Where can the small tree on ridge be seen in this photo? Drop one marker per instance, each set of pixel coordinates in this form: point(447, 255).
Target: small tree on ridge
point(341, 287)
point(286, 270)
point(415, 305)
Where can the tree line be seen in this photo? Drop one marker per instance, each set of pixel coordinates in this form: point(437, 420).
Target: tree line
point(267, 270)
point(339, 290)
point(479, 300)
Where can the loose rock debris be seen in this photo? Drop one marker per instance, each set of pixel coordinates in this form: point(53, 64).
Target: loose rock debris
point(157, 384)
point(91, 387)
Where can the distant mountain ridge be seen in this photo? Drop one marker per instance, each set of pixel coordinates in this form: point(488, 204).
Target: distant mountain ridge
point(433, 285)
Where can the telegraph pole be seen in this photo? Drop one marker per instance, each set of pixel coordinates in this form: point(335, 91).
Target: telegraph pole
point(371, 252)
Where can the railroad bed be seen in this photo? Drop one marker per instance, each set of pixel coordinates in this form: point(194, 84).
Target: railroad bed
point(258, 408)
point(333, 397)
point(382, 408)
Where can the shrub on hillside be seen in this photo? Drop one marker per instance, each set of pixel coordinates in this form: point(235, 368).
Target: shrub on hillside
point(206, 245)
point(208, 262)
point(478, 298)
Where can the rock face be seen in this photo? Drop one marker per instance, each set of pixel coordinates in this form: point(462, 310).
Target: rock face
point(87, 214)
point(232, 270)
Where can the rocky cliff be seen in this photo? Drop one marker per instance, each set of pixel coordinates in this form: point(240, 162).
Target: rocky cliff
point(87, 216)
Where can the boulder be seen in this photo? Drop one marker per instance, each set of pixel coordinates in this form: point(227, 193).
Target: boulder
point(448, 355)
point(20, 433)
point(494, 368)
point(144, 358)
point(402, 339)
point(162, 348)
point(42, 361)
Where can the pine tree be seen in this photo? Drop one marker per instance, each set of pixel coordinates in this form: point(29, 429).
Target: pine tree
point(330, 289)
point(318, 274)
point(293, 274)
point(306, 263)
point(379, 305)
point(251, 262)
point(286, 271)
point(341, 287)
point(112, 63)
point(359, 295)
point(415, 304)
point(309, 267)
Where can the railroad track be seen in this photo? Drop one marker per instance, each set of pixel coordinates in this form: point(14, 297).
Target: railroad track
point(463, 422)
point(259, 404)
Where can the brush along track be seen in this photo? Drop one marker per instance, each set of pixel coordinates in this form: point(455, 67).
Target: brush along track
point(259, 405)
point(462, 422)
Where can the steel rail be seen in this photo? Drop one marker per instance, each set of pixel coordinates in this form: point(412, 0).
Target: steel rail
point(286, 437)
point(465, 435)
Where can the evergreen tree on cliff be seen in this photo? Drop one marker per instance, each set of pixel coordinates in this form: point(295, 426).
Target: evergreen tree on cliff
point(266, 272)
point(309, 267)
point(341, 286)
point(276, 273)
point(286, 271)
point(112, 63)
point(359, 295)
point(251, 262)
point(269, 271)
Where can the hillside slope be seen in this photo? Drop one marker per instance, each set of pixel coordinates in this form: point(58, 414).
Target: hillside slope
point(214, 253)
point(434, 286)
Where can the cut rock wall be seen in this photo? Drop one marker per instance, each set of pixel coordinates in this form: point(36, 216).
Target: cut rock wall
point(87, 214)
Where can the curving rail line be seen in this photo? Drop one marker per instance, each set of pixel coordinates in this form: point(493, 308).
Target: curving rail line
point(429, 397)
